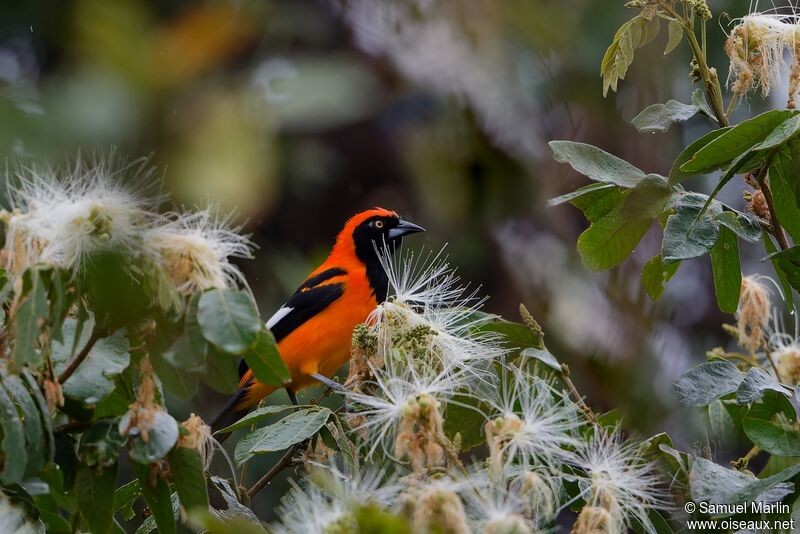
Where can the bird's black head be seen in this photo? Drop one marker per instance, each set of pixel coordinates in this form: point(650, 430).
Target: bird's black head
point(370, 230)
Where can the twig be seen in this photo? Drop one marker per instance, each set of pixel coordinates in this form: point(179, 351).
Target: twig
point(73, 365)
point(761, 178)
point(564, 375)
point(283, 463)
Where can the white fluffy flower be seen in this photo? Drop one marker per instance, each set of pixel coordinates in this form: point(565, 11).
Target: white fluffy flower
point(63, 219)
point(309, 510)
point(495, 510)
point(195, 250)
point(619, 482)
point(426, 293)
point(319, 508)
point(398, 388)
point(533, 424)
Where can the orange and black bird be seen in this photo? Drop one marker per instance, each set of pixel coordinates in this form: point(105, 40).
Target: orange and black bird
point(315, 326)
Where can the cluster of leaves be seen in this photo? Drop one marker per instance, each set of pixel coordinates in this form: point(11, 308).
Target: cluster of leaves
point(745, 395)
point(88, 355)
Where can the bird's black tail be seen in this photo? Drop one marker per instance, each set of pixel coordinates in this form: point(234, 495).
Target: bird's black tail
point(229, 414)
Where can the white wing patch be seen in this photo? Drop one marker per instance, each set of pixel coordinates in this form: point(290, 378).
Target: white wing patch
point(280, 314)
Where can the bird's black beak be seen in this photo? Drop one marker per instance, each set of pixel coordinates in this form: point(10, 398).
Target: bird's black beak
point(404, 228)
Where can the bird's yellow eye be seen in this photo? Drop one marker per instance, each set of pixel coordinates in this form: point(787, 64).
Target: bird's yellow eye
point(378, 224)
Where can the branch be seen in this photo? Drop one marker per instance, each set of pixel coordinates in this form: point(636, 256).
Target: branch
point(761, 178)
point(73, 365)
point(283, 463)
point(564, 375)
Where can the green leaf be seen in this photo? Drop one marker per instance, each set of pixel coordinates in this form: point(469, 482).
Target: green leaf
point(686, 236)
point(757, 382)
point(193, 330)
point(162, 435)
point(771, 249)
point(100, 445)
point(228, 319)
point(770, 425)
point(648, 199)
point(18, 512)
point(707, 382)
point(699, 99)
point(542, 355)
point(255, 416)
point(183, 355)
point(37, 449)
point(762, 489)
point(34, 307)
point(222, 372)
point(610, 240)
point(265, 360)
point(675, 35)
point(188, 475)
point(228, 495)
point(374, 520)
point(727, 270)
point(735, 141)
point(634, 34)
point(734, 168)
point(788, 261)
point(124, 498)
point(516, 336)
point(655, 274)
point(715, 484)
point(292, 429)
point(659, 117)
point(466, 421)
point(15, 458)
point(598, 203)
point(44, 413)
point(784, 181)
point(158, 497)
point(720, 422)
point(178, 381)
point(676, 175)
point(596, 164)
point(743, 225)
point(94, 489)
point(786, 130)
point(93, 380)
point(585, 190)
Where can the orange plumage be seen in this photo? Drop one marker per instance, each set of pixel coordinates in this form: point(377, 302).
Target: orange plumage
point(315, 327)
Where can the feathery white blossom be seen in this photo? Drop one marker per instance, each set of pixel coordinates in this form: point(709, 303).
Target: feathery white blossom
point(195, 249)
point(619, 483)
point(62, 217)
point(533, 424)
point(399, 388)
point(425, 293)
point(319, 508)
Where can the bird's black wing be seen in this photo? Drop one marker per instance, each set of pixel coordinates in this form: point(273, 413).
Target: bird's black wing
point(313, 296)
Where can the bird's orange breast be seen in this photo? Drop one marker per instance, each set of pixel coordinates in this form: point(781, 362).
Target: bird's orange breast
point(321, 345)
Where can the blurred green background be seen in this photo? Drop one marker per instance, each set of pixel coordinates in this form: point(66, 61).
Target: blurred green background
point(298, 114)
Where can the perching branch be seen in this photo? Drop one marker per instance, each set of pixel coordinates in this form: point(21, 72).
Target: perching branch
point(283, 463)
point(73, 365)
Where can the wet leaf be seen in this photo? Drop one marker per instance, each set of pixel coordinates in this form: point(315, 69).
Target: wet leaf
point(294, 428)
point(706, 382)
point(596, 164)
point(727, 270)
point(659, 117)
point(228, 319)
